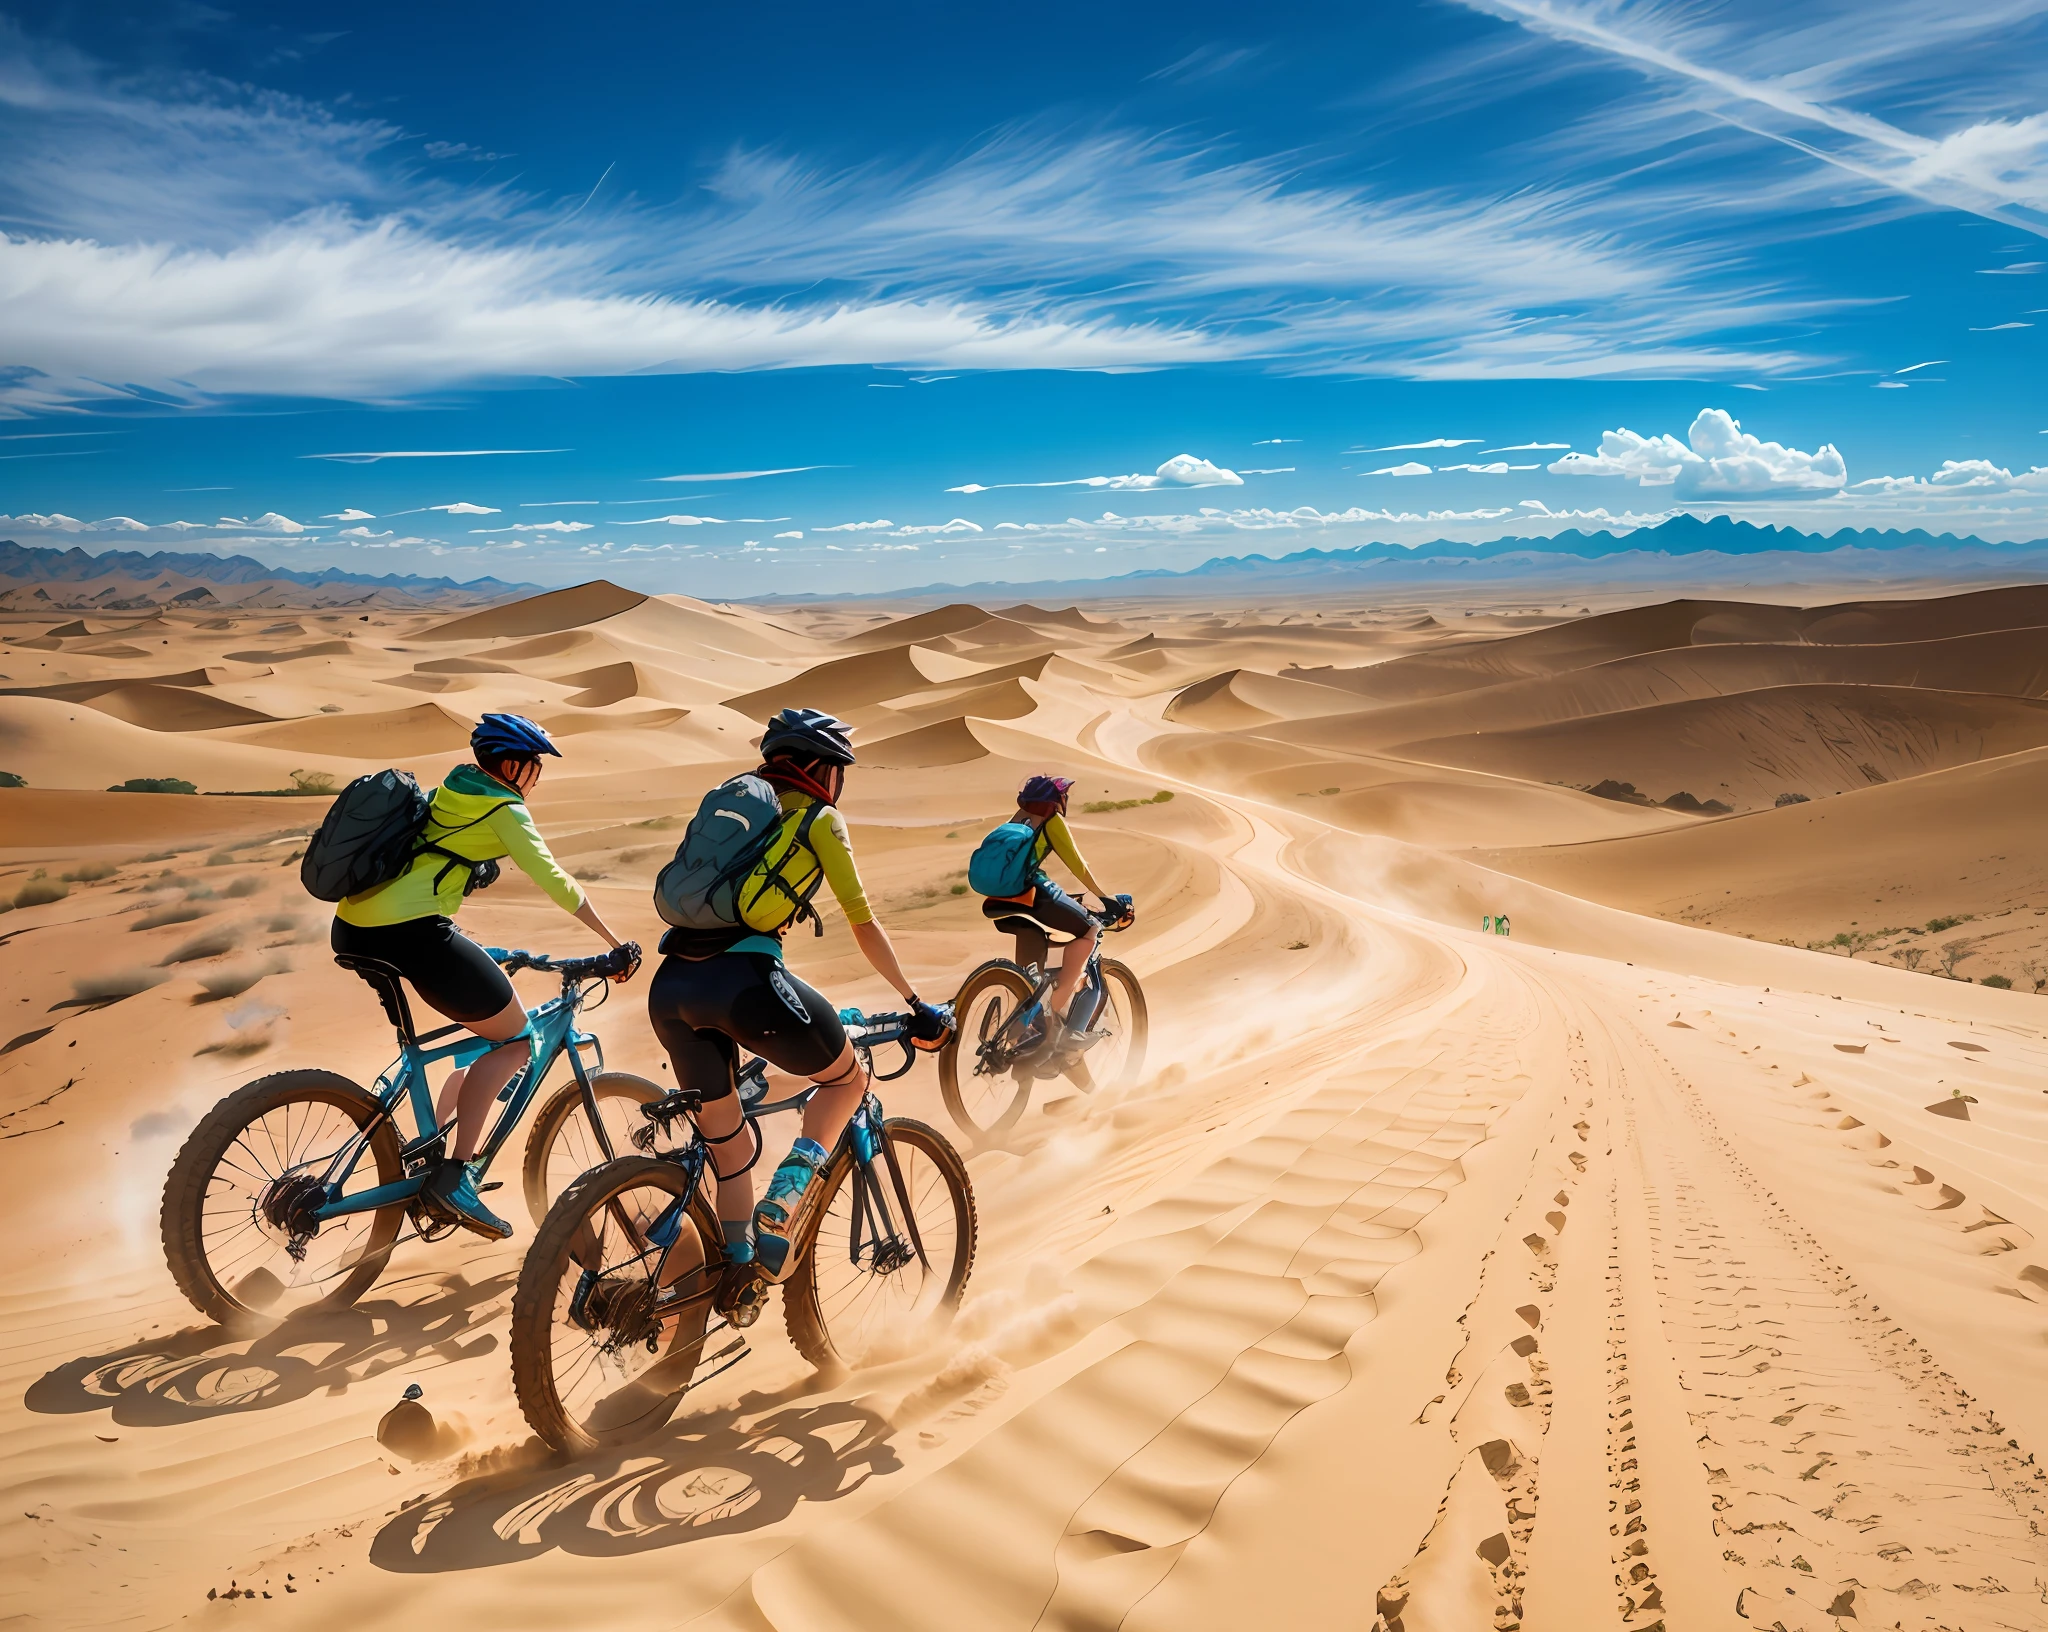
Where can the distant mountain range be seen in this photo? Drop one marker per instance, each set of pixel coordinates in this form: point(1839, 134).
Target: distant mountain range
point(46, 566)
point(1681, 535)
point(1669, 553)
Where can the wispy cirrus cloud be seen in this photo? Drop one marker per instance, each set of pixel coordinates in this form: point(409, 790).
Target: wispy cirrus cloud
point(1182, 470)
point(143, 209)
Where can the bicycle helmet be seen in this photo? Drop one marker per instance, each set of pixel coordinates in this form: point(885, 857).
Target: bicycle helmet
point(808, 734)
point(510, 736)
point(1044, 795)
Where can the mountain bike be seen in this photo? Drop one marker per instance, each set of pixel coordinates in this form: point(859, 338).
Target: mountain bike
point(295, 1189)
point(988, 1066)
point(612, 1318)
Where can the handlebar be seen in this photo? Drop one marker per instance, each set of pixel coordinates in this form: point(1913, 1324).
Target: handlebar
point(1114, 914)
point(869, 1031)
point(604, 965)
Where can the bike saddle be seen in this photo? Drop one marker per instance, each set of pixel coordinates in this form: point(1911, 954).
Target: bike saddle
point(385, 980)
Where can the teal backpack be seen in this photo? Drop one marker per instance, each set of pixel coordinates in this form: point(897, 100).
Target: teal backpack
point(1003, 864)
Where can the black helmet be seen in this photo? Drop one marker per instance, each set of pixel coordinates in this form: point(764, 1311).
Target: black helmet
point(805, 733)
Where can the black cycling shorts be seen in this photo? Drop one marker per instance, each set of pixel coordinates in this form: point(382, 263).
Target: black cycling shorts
point(453, 975)
point(705, 1011)
point(1049, 905)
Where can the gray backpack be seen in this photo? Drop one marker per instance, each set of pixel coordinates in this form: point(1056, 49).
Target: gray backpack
point(734, 827)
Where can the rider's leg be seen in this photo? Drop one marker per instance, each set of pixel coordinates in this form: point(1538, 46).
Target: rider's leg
point(723, 1122)
point(778, 1219)
point(482, 1079)
point(1072, 967)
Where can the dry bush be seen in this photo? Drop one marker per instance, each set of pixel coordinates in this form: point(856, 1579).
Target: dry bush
point(111, 984)
point(177, 912)
point(247, 884)
point(207, 944)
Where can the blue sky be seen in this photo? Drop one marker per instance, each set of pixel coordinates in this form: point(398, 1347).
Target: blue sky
point(733, 302)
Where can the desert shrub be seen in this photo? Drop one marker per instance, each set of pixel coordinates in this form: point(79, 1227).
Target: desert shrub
point(233, 981)
point(209, 943)
point(176, 912)
point(41, 889)
point(247, 884)
point(111, 984)
point(959, 889)
point(313, 782)
point(1934, 926)
point(90, 872)
point(1784, 799)
point(2000, 981)
point(1096, 807)
point(221, 858)
point(154, 784)
point(9, 780)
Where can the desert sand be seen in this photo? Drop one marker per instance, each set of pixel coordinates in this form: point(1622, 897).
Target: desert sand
point(1677, 1260)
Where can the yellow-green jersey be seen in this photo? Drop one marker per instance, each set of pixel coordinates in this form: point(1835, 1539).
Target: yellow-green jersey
point(475, 816)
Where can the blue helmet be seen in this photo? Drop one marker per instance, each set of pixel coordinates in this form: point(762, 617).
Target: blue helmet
point(510, 736)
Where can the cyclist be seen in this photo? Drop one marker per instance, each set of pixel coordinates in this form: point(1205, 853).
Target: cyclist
point(1042, 804)
point(476, 815)
point(720, 990)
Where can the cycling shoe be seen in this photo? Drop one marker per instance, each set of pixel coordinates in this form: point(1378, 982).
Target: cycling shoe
point(453, 1191)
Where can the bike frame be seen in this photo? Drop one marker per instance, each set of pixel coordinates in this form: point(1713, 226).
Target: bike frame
point(550, 1032)
point(865, 1139)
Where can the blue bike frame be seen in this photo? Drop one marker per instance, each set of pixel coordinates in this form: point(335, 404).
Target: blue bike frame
point(550, 1030)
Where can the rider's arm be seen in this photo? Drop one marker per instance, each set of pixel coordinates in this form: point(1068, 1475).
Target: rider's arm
point(523, 843)
point(1062, 841)
point(835, 857)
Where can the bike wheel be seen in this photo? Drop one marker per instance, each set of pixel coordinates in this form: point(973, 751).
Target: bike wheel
point(1115, 1061)
point(246, 1176)
point(866, 1285)
point(985, 1097)
point(563, 1147)
point(591, 1365)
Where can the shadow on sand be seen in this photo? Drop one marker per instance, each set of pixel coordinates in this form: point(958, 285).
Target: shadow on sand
point(701, 1477)
point(210, 1371)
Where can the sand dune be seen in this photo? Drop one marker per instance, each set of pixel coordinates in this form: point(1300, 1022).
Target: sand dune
point(945, 742)
point(288, 654)
point(847, 683)
point(173, 708)
point(1243, 697)
point(944, 620)
point(1749, 748)
point(2012, 663)
point(394, 734)
point(540, 614)
point(1618, 1272)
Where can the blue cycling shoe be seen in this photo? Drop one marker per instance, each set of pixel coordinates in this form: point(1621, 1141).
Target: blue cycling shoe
point(779, 1215)
point(453, 1191)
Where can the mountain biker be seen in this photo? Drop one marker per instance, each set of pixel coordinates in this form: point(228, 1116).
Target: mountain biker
point(1042, 804)
point(720, 990)
point(477, 815)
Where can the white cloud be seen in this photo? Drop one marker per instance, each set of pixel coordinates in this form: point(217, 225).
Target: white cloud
point(789, 535)
point(1182, 470)
point(350, 515)
point(956, 525)
point(537, 527)
point(1722, 461)
point(1914, 368)
point(1277, 470)
point(411, 453)
point(269, 522)
point(672, 521)
point(741, 475)
point(463, 509)
point(1957, 476)
point(361, 532)
point(863, 526)
point(1530, 447)
point(2000, 328)
point(1499, 467)
point(1277, 442)
point(1433, 442)
point(200, 237)
point(1792, 84)
point(2018, 269)
point(1411, 468)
